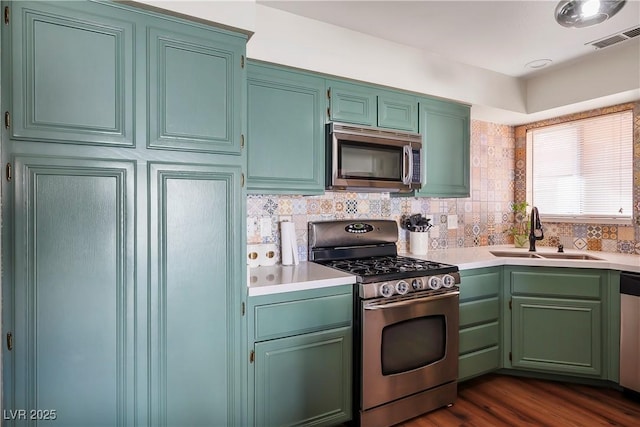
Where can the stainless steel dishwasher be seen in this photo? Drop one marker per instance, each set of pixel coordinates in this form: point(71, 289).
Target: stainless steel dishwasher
point(630, 332)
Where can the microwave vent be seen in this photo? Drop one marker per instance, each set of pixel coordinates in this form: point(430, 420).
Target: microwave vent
point(375, 132)
point(615, 38)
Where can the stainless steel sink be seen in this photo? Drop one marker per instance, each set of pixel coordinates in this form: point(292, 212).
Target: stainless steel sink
point(515, 254)
point(519, 254)
point(583, 257)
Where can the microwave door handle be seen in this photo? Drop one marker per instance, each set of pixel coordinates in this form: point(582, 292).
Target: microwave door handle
point(407, 165)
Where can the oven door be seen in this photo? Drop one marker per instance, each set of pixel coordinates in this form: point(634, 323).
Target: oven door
point(408, 345)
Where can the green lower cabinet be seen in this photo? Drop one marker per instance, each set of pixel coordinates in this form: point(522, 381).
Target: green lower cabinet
point(301, 370)
point(304, 380)
point(559, 335)
point(480, 322)
point(561, 321)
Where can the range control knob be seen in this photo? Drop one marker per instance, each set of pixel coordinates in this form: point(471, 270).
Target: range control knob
point(435, 282)
point(416, 284)
point(448, 281)
point(402, 287)
point(386, 290)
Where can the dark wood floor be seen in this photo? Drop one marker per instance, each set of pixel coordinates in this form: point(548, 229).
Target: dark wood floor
point(501, 400)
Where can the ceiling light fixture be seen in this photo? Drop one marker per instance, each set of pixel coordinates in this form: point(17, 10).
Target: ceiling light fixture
point(585, 13)
point(538, 63)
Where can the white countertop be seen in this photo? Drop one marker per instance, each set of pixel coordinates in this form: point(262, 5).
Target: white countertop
point(481, 256)
point(286, 278)
point(308, 275)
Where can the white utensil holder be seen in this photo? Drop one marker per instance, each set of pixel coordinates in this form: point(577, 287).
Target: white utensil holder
point(418, 242)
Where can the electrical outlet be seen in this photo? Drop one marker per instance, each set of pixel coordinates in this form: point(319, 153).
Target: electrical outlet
point(452, 222)
point(251, 227)
point(265, 227)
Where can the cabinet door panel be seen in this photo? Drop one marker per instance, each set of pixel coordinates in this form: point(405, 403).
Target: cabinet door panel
point(72, 76)
point(74, 289)
point(194, 92)
point(352, 104)
point(194, 254)
point(557, 335)
point(285, 142)
point(446, 149)
point(304, 380)
point(397, 111)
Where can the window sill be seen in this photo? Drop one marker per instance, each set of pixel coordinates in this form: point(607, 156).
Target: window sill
point(587, 220)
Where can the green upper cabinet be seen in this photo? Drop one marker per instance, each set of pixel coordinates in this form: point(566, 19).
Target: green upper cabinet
point(72, 79)
point(195, 87)
point(445, 148)
point(285, 131)
point(397, 111)
point(71, 75)
point(352, 103)
point(372, 106)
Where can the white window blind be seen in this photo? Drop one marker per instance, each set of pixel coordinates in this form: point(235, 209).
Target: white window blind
point(583, 169)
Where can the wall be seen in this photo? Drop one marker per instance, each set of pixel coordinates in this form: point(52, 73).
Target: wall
point(481, 218)
point(596, 237)
point(283, 38)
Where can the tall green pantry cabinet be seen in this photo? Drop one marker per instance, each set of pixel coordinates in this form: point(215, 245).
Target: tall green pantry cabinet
point(122, 217)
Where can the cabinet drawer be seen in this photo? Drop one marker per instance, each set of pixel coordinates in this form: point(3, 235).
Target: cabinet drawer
point(302, 316)
point(479, 362)
point(479, 337)
point(481, 311)
point(479, 285)
point(566, 284)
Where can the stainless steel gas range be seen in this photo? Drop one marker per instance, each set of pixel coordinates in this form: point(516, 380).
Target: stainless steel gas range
point(405, 320)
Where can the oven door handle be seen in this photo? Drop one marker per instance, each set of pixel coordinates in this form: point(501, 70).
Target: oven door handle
point(410, 301)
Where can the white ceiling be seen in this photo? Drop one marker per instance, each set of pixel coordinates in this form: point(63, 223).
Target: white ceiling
point(501, 36)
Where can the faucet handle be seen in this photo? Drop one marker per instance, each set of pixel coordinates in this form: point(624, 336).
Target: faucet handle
point(560, 248)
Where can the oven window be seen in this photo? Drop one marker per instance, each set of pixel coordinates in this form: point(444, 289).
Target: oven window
point(364, 161)
point(412, 344)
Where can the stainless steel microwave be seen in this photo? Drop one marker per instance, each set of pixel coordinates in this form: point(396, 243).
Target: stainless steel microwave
point(362, 158)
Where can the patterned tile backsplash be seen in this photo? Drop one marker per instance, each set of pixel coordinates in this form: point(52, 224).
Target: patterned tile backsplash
point(497, 179)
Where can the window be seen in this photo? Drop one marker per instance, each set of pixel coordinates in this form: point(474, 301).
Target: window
point(582, 170)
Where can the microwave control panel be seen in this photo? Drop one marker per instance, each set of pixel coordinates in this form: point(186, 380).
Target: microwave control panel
point(416, 167)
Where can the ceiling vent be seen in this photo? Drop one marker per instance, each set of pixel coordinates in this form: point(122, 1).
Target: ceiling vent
point(615, 38)
point(633, 32)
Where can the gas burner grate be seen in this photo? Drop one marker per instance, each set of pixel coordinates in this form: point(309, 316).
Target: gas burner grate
point(386, 265)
